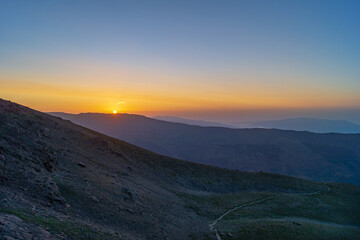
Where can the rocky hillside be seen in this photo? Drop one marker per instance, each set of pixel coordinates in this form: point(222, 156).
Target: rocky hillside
point(62, 181)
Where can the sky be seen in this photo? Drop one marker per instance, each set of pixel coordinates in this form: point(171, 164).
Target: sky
point(213, 60)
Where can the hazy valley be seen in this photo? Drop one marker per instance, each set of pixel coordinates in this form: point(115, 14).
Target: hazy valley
point(310, 125)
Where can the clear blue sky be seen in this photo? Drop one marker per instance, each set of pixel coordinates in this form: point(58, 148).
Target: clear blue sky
point(300, 52)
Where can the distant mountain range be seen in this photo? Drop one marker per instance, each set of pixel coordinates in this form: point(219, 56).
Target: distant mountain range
point(193, 122)
point(297, 124)
point(326, 157)
point(309, 124)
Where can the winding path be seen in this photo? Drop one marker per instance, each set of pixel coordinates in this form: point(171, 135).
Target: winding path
point(212, 225)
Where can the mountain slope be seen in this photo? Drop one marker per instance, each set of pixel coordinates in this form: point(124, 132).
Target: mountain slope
point(326, 157)
point(310, 124)
point(62, 181)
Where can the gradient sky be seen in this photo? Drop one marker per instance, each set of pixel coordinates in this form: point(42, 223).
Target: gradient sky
point(219, 60)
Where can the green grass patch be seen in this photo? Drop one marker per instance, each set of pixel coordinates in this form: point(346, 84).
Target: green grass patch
point(329, 215)
point(65, 189)
point(285, 230)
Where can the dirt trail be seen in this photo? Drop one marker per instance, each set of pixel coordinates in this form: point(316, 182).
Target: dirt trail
point(212, 225)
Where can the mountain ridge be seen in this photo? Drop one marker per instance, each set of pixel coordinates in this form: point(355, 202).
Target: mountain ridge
point(201, 123)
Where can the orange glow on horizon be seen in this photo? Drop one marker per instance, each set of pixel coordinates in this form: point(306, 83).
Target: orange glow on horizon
point(165, 93)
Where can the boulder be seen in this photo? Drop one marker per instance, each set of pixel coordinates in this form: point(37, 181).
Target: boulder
point(81, 164)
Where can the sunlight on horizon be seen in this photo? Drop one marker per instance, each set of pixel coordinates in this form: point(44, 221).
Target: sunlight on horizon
point(250, 58)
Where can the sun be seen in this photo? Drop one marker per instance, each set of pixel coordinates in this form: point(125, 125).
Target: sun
point(114, 112)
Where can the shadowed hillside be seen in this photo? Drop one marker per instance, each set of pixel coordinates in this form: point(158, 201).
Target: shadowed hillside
point(326, 157)
point(62, 181)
